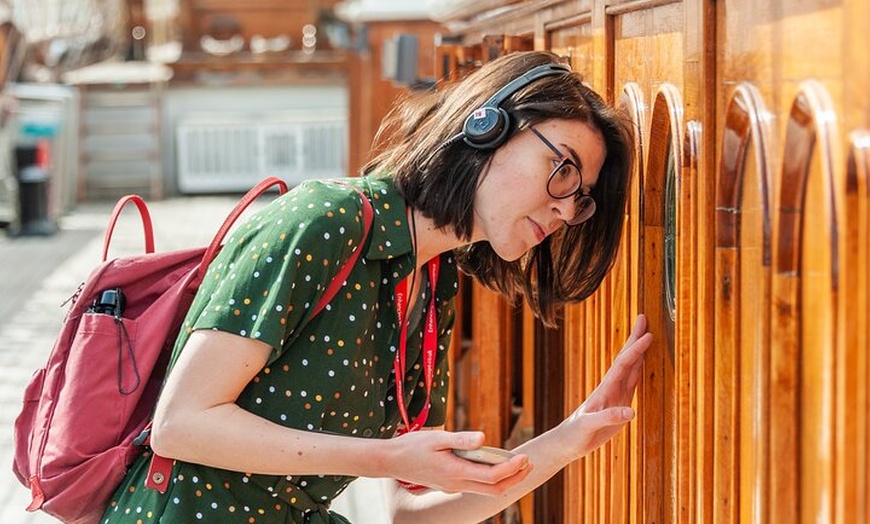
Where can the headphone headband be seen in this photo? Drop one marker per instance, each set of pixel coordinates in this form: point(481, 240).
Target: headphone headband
point(523, 80)
point(487, 126)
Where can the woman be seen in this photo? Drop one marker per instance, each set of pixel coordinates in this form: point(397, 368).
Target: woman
point(517, 175)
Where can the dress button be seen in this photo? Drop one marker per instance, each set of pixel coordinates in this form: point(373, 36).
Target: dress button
point(368, 432)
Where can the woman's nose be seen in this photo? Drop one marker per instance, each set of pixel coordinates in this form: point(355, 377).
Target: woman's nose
point(565, 208)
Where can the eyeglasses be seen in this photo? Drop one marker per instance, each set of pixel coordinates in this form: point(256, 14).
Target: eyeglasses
point(565, 181)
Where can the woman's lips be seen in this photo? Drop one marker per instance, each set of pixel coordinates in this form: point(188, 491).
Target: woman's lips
point(539, 232)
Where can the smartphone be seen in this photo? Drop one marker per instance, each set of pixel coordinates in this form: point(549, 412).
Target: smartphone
point(485, 455)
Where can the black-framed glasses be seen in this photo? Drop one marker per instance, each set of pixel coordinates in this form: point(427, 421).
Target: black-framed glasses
point(566, 181)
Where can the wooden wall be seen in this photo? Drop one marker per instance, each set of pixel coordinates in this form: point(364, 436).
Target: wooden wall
point(746, 246)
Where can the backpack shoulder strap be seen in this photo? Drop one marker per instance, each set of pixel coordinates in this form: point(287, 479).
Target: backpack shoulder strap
point(341, 277)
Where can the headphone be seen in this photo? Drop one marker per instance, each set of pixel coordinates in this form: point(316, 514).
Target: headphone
point(488, 125)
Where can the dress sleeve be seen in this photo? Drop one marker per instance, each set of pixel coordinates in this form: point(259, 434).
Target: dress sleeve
point(276, 266)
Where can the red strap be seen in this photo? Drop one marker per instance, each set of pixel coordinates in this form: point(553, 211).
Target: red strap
point(430, 348)
point(146, 223)
point(159, 473)
point(341, 277)
point(37, 496)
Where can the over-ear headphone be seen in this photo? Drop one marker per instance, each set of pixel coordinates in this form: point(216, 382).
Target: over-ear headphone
point(487, 126)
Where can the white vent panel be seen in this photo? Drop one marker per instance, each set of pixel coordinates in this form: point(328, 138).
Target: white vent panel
point(230, 155)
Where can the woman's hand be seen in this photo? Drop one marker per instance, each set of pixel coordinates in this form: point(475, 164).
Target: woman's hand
point(608, 408)
point(426, 458)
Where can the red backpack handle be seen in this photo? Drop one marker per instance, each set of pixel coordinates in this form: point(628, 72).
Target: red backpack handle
point(146, 223)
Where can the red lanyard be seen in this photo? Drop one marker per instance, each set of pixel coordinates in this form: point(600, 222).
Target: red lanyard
point(430, 347)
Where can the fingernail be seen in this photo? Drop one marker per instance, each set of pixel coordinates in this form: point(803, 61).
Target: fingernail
point(627, 413)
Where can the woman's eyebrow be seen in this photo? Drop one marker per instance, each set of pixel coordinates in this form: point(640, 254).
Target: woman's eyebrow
point(574, 155)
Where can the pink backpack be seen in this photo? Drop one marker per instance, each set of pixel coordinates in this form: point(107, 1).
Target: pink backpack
point(77, 432)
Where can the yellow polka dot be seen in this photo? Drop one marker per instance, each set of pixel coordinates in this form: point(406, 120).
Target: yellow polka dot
point(341, 210)
point(308, 257)
point(231, 509)
point(247, 301)
point(282, 236)
point(318, 398)
point(292, 500)
point(267, 370)
point(261, 511)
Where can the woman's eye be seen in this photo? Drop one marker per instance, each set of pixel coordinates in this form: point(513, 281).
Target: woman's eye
point(565, 170)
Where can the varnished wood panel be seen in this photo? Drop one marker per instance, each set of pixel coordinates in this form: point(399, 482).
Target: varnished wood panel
point(754, 401)
point(743, 257)
point(851, 376)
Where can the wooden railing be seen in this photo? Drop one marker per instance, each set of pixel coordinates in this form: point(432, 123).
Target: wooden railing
point(747, 245)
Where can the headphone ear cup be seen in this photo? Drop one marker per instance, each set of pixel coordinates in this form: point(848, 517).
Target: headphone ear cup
point(486, 127)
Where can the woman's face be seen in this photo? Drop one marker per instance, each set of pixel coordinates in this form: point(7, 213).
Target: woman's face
point(513, 210)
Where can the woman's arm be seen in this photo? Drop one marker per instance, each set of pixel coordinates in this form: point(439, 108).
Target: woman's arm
point(603, 414)
point(197, 420)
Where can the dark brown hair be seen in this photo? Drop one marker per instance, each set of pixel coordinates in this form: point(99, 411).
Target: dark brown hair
point(439, 177)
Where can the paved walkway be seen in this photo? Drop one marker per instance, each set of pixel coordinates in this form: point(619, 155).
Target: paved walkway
point(37, 274)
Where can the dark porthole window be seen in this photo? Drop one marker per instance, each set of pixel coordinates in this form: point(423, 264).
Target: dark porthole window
point(670, 234)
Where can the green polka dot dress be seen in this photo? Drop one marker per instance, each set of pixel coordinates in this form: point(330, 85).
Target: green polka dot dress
point(333, 373)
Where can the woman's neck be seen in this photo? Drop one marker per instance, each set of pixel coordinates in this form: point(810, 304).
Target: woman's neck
point(432, 240)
